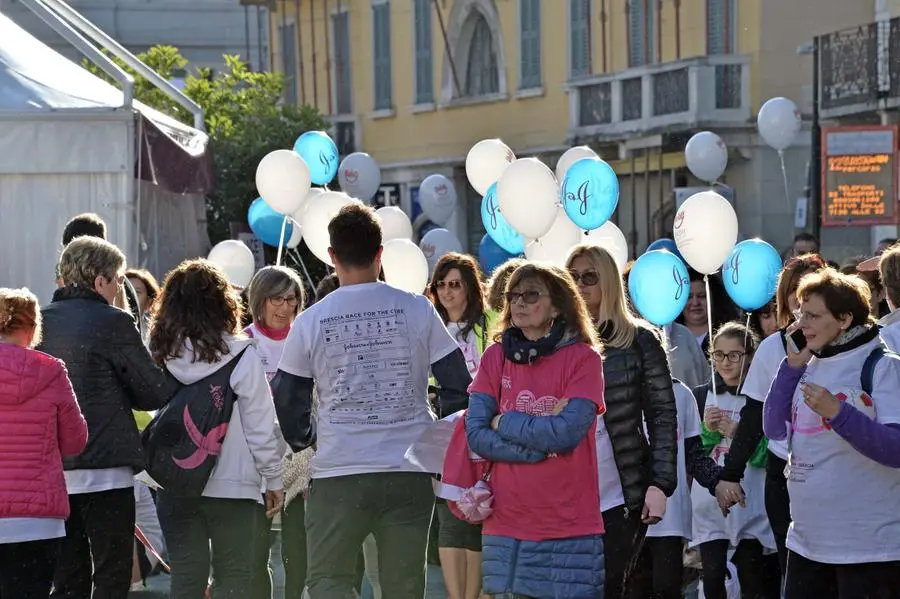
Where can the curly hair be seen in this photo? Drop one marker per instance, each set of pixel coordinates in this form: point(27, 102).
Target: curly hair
point(196, 304)
point(20, 311)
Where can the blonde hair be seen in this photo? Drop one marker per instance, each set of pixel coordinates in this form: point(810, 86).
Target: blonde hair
point(563, 295)
point(87, 258)
point(19, 311)
point(613, 305)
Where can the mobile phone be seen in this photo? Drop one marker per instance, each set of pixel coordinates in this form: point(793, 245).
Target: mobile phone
point(797, 341)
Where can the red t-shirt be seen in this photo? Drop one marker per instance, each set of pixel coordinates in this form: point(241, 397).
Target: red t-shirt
point(556, 498)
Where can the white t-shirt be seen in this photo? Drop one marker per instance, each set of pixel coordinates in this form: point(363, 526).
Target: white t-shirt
point(611, 493)
point(368, 347)
point(845, 507)
point(677, 521)
point(762, 372)
point(468, 345)
point(79, 482)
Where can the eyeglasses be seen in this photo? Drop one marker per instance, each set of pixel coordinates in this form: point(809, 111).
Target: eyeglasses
point(529, 297)
point(733, 356)
point(453, 284)
point(588, 277)
point(291, 300)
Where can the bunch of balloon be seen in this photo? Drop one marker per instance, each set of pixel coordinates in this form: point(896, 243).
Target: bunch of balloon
point(778, 123)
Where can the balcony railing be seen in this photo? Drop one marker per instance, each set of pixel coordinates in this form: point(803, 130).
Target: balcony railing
point(860, 69)
point(685, 93)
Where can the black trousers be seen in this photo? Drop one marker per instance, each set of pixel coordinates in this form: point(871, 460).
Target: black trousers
point(759, 574)
point(667, 565)
point(26, 569)
point(293, 548)
point(623, 538)
point(342, 511)
point(807, 579)
point(778, 505)
point(99, 539)
point(231, 526)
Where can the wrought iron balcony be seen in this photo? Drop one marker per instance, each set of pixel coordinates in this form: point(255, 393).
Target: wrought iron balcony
point(860, 69)
point(683, 94)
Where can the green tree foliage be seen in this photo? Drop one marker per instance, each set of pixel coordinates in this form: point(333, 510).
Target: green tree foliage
point(244, 118)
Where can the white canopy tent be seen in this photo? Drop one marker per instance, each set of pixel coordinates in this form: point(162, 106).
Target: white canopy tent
point(70, 143)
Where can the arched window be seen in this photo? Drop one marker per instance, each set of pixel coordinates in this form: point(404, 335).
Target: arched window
point(482, 77)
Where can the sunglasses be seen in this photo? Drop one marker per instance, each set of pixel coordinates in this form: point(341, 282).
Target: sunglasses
point(529, 297)
point(292, 301)
point(733, 356)
point(454, 284)
point(589, 277)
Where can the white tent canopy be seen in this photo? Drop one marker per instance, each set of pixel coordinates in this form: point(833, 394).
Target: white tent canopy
point(68, 145)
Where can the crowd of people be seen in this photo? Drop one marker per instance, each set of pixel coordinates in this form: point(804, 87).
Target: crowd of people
point(598, 455)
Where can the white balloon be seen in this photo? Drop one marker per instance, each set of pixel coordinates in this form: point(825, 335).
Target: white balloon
point(486, 161)
point(316, 217)
point(436, 243)
point(554, 246)
point(405, 266)
point(529, 197)
point(296, 236)
point(570, 157)
point(437, 196)
point(706, 229)
point(236, 259)
point(360, 176)
point(282, 180)
point(394, 224)
point(706, 156)
point(779, 122)
point(610, 238)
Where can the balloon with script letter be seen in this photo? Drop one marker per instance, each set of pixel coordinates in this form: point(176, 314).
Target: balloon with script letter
point(499, 230)
point(394, 224)
point(485, 162)
point(590, 193)
point(316, 218)
point(665, 244)
point(266, 223)
point(320, 154)
point(405, 266)
point(529, 197)
point(659, 286)
point(706, 156)
point(360, 176)
point(751, 273)
point(779, 122)
point(706, 230)
point(570, 157)
point(436, 243)
point(437, 197)
point(283, 179)
point(491, 255)
point(610, 238)
point(554, 246)
point(236, 259)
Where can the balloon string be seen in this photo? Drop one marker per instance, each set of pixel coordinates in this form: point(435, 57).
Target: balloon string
point(284, 223)
point(787, 188)
point(712, 366)
point(312, 286)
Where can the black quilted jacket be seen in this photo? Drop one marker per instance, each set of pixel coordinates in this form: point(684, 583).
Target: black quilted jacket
point(111, 372)
point(639, 387)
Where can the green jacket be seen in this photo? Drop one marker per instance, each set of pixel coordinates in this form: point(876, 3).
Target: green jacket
point(483, 336)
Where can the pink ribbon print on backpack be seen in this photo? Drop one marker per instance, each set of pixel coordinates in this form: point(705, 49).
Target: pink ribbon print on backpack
point(209, 444)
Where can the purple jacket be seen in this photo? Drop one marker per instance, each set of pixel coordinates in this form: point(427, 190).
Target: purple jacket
point(876, 441)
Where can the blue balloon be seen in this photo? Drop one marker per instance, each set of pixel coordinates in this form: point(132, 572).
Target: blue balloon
point(751, 274)
point(665, 244)
point(496, 226)
point(320, 155)
point(659, 286)
point(590, 193)
point(266, 223)
point(491, 255)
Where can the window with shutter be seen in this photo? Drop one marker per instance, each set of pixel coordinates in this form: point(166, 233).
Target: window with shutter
point(721, 25)
point(530, 43)
point(288, 33)
point(340, 29)
point(482, 76)
point(580, 38)
point(641, 32)
point(381, 50)
point(424, 81)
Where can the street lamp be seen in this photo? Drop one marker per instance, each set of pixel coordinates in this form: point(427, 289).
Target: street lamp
point(815, 164)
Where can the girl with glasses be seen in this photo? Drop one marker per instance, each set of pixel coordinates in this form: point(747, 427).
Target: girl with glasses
point(745, 527)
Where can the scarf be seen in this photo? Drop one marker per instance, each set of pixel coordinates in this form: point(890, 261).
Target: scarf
point(274, 334)
point(521, 350)
point(850, 339)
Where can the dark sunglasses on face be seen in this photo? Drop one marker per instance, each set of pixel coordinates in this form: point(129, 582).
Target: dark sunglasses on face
point(454, 284)
point(588, 278)
point(733, 356)
point(529, 297)
point(292, 301)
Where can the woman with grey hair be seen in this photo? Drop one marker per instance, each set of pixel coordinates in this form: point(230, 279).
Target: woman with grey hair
point(275, 297)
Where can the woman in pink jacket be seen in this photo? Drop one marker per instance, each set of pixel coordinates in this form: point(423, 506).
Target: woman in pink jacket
point(40, 423)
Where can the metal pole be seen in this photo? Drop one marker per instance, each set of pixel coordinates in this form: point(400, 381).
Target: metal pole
point(312, 32)
point(327, 54)
point(815, 199)
point(300, 50)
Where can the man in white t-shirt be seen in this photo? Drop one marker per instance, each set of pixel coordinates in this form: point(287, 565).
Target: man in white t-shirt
point(367, 348)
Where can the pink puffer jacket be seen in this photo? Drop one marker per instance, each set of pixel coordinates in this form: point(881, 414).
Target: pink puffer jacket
point(40, 423)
